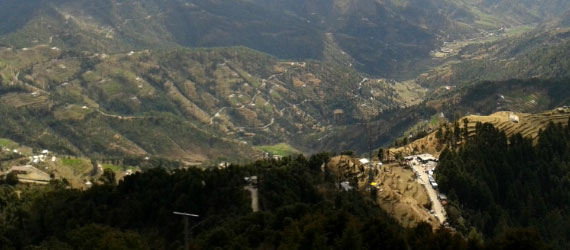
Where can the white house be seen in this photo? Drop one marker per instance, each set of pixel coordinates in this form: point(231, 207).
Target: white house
point(346, 186)
point(364, 161)
point(513, 118)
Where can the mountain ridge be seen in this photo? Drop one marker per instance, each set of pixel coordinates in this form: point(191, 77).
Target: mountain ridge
point(384, 37)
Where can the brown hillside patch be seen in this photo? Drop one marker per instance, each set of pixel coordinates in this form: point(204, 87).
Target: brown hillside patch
point(297, 82)
point(279, 68)
point(312, 79)
point(398, 192)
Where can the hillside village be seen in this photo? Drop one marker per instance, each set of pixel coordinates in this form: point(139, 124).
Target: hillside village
point(406, 190)
point(45, 166)
point(392, 180)
point(403, 184)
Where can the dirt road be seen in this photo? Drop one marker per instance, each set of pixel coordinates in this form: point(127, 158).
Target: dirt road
point(254, 197)
point(437, 207)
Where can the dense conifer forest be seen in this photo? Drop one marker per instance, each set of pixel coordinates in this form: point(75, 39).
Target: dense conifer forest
point(496, 183)
point(302, 208)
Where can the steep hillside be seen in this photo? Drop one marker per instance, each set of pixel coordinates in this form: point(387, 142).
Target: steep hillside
point(526, 96)
point(112, 26)
point(398, 192)
point(528, 126)
point(176, 102)
point(509, 12)
point(539, 53)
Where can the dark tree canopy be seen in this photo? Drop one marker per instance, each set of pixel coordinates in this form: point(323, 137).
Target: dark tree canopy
point(496, 183)
point(302, 208)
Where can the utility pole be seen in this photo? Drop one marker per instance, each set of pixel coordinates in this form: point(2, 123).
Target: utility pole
point(186, 231)
point(369, 141)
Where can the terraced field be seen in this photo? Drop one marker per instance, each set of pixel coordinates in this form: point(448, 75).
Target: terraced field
point(528, 125)
point(32, 100)
point(195, 105)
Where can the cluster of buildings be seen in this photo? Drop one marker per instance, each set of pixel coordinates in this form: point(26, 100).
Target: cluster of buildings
point(268, 156)
point(35, 159)
point(29, 173)
point(368, 163)
point(15, 151)
point(423, 158)
point(426, 162)
point(42, 157)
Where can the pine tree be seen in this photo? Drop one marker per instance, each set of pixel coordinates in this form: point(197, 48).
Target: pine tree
point(439, 134)
point(456, 134)
point(12, 179)
point(465, 129)
point(108, 177)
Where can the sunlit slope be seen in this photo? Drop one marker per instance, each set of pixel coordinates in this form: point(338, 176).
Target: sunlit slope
point(528, 125)
point(196, 104)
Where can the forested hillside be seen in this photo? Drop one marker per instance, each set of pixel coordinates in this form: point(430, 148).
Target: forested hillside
point(302, 208)
point(487, 97)
point(496, 183)
point(541, 53)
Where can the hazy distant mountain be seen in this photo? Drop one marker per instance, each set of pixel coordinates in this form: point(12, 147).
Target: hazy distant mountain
point(526, 10)
point(534, 54)
point(564, 20)
point(382, 37)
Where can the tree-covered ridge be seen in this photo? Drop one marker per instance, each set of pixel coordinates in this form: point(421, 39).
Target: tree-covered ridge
point(496, 183)
point(302, 208)
point(516, 95)
point(540, 53)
